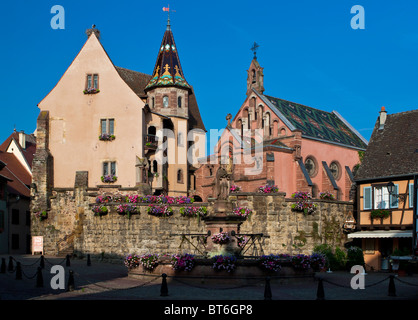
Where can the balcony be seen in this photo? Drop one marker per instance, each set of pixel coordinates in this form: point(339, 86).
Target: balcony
point(151, 142)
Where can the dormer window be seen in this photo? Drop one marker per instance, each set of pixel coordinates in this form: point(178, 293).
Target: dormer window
point(165, 102)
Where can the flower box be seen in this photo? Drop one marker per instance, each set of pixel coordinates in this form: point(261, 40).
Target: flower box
point(109, 178)
point(127, 209)
point(304, 202)
point(221, 238)
point(268, 189)
point(234, 188)
point(242, 212)
point(107, 137)
point(326, 195)
point(91, 91)
point(379, 213)
point(41, 215)
point(100, 210)
point(193, 211)
point(160, 211)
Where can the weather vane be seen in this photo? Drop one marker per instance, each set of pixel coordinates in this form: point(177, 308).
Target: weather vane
point(254, 49)
point(168, 15)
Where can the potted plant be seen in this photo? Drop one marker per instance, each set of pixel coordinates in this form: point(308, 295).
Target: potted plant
point(235, 188)
point(221, 238)
point(379, 213)
point(41, 215)
point(91, 91)
point(304, 202)
point(227, 263)
point(109, 178)
point(182, 262)
point(149, 261)
point(270, 262)
point(268, 189)
point(100, 210)
point(132, 261)
point(242, 212)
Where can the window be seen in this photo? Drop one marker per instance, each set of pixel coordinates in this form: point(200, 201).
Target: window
point(109, 168)
point(165, 102)
point(310, 166)
point(180, 176)
point(153, 102)
point(411, 195)
point(369, 246)
point(180, 139)
point(334, 167)
point(179, 102)
point(155, 166)
point(92, 81)
point(378, 197)
point(15, 216)
point(107, 126)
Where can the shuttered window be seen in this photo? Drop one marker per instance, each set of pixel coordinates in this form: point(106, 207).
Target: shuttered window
point(394, 198)
point(367, 198)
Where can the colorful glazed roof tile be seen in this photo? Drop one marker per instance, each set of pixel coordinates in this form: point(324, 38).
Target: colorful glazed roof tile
point(167, 70)
point(317, 124)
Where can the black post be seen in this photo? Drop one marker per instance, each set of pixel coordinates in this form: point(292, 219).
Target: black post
point(10, 267)
point(39, 278)
point(3, 265)
point(42, 263)
point(68, 260)
point(18, 271)
point(392, 289)
point(88, 260)
point(70, 286)
point(267, 290)
point(320, 294)
point(164, 288)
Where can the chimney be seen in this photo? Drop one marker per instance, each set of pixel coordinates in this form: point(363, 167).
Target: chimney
point(22, 139)
point(382, 118)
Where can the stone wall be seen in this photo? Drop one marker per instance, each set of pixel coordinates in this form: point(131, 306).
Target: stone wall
point(72, 227)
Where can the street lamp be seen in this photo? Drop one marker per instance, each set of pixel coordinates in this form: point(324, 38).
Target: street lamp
point(392, 191)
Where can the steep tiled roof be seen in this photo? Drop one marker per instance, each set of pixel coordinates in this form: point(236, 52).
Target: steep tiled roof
point(28, 152)
point(135, 80)
point(393, 150)
point(167, 70)
point(15, 171)
point(317, 124)
point(195, 119)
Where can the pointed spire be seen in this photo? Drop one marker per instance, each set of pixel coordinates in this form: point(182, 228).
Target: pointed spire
point(167, 70)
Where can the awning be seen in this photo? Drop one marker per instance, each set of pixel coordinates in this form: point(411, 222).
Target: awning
point(381, 234)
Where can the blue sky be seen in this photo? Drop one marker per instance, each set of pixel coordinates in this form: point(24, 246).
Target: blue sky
point(309, 52)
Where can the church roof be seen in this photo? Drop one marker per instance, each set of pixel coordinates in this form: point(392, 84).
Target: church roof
point(167, 70)
point(392, 150)
point(316, 124)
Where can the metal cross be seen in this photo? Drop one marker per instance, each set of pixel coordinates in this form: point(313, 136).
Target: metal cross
point(254, 49)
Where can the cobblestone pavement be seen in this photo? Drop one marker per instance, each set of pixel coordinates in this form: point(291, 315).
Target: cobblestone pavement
point(110, 281)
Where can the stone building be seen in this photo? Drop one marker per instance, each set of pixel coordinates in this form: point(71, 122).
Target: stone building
point(102, 121)
point(296, 147)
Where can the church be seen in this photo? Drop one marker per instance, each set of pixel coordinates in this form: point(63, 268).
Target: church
point(292, 146)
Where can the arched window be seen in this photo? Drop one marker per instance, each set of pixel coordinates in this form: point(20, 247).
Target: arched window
point(334, 167)
point(179, 176)
point(311, 166)
point(155, 166)
point(179, 102)
point(165, 101)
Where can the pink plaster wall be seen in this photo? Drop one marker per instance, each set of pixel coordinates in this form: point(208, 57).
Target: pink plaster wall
point(75, 120)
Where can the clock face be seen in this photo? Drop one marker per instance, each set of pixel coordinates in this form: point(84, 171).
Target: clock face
point(165, 102)
point(310, 166)
point(335, 170)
